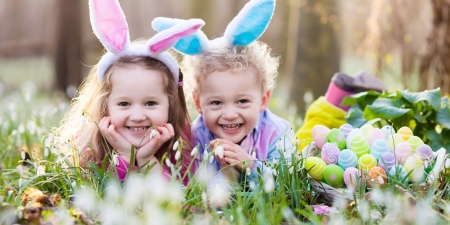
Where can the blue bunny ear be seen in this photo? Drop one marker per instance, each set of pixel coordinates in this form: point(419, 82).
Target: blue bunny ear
point(191, 45)
point(250, 23)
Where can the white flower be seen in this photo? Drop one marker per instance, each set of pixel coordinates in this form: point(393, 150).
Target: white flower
point(82, 120)
point(380, 180)
point(85, 200)
point(20, 170)
point(231, 218)
point(218, 150)
point(211, 159)
point(14, 133)
point(274, 172)
point(252, 185)
point(69, 145)
point(248, 171)
point(177, 155)
point(254, 155)
point(205, 155)
point(219, 194)
point(2, 198)
point(46, 152)
point(40, 170)
point(22, 155)
point(153, 134)
point(269, 184)
point(175, 145)
point(31, 126)
point(363, 210)
point(168, 163)
point(21, 129)
point(204, 198)
point(194, 151)
point(115, 160)
point(447, 163)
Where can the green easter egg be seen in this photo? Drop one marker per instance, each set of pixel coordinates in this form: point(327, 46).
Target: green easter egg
point(315, 167)
point(415, 142)
point(334, 175)
point(335, 136)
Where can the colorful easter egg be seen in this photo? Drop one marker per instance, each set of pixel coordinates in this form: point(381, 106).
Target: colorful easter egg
point(352, 134)
point(367, 162)
point(366, 128)
point(426, 154)
point(398, 172)
point(405, 132)
point(388, 131)
point(394, 140)
point(347, 158)
point(387, 161)
point(373, 135)
point(360, 146)
point(351, 177)
point(415, 142)
point(334, 175)
point(335, 136)
point(377, 176)
point(345, 129)
point(412, 162)
point(330, 153)
point(402, 151)
point(319, 134)
point(378, 148)
point(315, 167)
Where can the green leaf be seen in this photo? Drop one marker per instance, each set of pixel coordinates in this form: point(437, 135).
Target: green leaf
point(443, 117)
point(362, 98)
point(386, 108)
point(436, 141)
point(433, 97)
point(444, 102)
point(355, 117)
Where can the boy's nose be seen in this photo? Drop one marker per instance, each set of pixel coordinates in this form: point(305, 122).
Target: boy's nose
point(230, 113)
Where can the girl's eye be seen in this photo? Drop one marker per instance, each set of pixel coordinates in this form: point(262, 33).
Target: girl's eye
point(150, 103)
point(216, 103)
point(124, 104)
point(242, 101)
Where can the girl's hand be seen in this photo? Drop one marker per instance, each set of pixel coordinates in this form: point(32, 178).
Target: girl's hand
point(233, 154)
point(119, 143)
point(148, 150)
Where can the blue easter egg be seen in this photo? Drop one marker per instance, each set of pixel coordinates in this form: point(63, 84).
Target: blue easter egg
point(378, 148)
point(388, 131)
point(399, 172)
point(347, 158)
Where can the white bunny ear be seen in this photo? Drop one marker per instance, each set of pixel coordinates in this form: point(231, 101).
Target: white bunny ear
point(109, 24)
point(169, 37)
point(250, 23)
point(190, 45)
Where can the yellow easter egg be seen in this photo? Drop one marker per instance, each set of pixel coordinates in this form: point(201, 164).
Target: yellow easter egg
point(405, 132)
point(366, 128)
point(315, 167)
point(367, 162)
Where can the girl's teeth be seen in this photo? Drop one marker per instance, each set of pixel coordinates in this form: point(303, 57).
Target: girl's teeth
point(138, 128)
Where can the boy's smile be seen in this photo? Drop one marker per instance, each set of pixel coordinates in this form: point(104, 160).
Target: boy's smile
point(231, 102)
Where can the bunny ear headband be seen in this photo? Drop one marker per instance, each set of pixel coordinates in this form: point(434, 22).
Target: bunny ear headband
point(109, 25)
point(245, 28)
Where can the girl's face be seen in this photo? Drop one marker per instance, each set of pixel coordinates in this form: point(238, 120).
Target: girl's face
point(137, 101)
point(231, 102)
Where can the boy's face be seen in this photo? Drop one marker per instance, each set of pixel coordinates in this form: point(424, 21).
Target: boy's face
point(231, 102)
point(136, 102)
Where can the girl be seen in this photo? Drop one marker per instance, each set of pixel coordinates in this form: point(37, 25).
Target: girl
point(135, 88)
point(232, 78)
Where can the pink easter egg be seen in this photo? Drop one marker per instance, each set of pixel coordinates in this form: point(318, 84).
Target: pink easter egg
point(374, 135)
point(330, 153)
point(402, 151)
point(319, 134)
point(350, 177)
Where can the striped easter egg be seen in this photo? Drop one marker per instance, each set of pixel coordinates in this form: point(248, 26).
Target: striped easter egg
point(315, 167)
point(378, 148)
point(347, 158)
point(367, 162)
point(360, 146)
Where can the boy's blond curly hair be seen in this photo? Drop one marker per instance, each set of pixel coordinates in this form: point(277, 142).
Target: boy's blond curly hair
point(221, 57)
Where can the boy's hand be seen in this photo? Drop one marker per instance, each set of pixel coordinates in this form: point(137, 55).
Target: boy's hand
point(119, 143)
point(148, 150)
point(234, 154)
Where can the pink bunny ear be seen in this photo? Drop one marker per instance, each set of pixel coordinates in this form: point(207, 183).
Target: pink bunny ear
point(109, 24)
point(168, 38)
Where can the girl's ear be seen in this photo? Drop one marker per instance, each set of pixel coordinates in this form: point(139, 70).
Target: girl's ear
point(265, 101)
point(189, 45)
point(250, 23)
point(109, 24)
point(198, 106)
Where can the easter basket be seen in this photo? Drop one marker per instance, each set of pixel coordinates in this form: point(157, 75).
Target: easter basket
point(329, 193)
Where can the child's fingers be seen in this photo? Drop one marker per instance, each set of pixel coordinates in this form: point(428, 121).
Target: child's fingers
point(170, 129)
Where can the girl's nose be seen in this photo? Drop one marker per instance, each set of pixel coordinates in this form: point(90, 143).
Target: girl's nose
point(137, 115)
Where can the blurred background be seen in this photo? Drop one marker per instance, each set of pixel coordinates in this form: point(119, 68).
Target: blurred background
point(47, 47)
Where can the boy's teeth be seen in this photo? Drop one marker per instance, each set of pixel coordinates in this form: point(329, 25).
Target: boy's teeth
point(231, 126)
point(138, 128)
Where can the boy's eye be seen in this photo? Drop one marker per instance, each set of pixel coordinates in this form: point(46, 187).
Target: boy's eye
point(150, 103)
point(242, 101)
point(124, 104)
point(216, 103)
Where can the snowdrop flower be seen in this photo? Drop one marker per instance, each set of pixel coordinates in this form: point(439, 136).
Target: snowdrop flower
point(21, 129)
point(175, 145)
point(86, 200)
point(211, 159)
point(20, 170)
point(153, 134)
point(252, 185)
point(194, 151)
point(168, 163)
point(204, 174)
point(447, 163)
point(14, 133)
point(115, 160)
point(22, 155)
point(82, 120)
point(218, 150)
point(219, 194)
point(31, 126)
point(254, 155)
point(135, 190)
point(205, 155)
point(248, 171)
point(269, 184)
point(177, 155)
point(363, 210)
point(46, 152)
point(231, 218)
point(40, 170)
point(274, 172)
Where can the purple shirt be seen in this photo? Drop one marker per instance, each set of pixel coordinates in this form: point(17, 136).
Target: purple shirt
point(271, 135)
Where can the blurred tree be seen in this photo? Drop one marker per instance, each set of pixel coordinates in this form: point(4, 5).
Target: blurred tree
point(435, 65)
point(317, 51)
point(68, 51)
